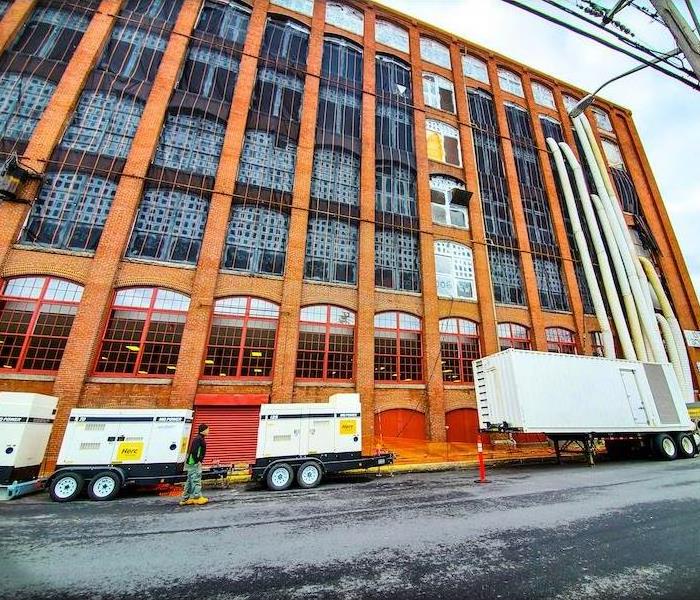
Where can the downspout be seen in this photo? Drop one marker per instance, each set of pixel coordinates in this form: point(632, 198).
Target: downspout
point(608, 282)
point(625, 291)
point(582, 246)
point(667, 311)
point(646, 314)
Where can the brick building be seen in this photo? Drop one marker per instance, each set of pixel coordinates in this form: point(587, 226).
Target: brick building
point(279, 201)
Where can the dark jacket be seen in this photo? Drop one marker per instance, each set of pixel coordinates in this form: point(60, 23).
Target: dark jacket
point(197, 451)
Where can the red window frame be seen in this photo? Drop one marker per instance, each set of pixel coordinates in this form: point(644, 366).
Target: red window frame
point(560, 340)
point(328, 326)
point(246, 317)
point(467, 334)
point(143, 341)
point(510, 334)
point(39, 302)
point(382, 360)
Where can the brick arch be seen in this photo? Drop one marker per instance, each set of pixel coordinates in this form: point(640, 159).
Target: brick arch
point(67, 273)
point(150, 282)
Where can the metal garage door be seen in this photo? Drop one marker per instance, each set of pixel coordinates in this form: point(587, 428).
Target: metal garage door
point(233, 433)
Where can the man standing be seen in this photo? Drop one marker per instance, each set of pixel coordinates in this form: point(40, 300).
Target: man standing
point(192, 493)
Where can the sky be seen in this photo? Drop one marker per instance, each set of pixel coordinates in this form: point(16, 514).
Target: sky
point(666, 112)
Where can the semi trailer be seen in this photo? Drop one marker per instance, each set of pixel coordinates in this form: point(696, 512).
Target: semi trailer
point(573, 398)
point(303, 442)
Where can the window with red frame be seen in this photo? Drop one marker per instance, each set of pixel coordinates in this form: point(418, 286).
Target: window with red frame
point(36, 316)
point(326, 343)
point(512, 335)
point(144, 332)
point(242, 338)
point(560, 340)
point(459, 346)
point(398, 347)
point(597, 346)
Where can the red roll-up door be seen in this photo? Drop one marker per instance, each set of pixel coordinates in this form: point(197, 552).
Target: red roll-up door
point(233, 433)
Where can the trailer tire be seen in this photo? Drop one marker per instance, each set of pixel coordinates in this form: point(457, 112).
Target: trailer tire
point(665, 447)
point(309, 475)
point(66, 486)
point(686, 445)
point(279, 477)
point(104, 486)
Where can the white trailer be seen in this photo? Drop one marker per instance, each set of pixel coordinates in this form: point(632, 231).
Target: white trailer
point(583, 398)
point(107, 449)
point(305, 441)
point(26, 420)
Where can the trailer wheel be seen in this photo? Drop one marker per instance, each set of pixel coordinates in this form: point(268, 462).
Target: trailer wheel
point(309, 475)
point(104, 486)
point(686, 445)
point(665, 446)
point(279, 477)
point(66, 487)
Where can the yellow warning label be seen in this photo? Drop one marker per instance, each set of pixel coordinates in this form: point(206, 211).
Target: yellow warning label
point(348, 426)
point(694, 412)
point(183, 445)
point(129, 451)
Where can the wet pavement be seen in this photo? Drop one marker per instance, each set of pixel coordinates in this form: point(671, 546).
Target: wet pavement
point(619, 530)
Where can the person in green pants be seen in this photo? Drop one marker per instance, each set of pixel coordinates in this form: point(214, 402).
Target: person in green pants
point(192, 494)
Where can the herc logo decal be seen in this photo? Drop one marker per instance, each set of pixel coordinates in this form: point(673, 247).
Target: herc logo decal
point(129, 451)
point(348, 426)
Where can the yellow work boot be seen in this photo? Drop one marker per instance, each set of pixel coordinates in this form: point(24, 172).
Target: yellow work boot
point(187, 502)
point(200, 500)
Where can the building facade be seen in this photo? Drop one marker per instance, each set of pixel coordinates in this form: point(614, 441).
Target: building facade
point(242, 203)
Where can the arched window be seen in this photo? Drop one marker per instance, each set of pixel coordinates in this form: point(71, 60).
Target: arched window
point(326, 343)
point(435, 52)
point(438, 92)
point(345, 17)
point(510, 82)
point(512, 335)
point(242, 338)
point(459, 346)
point(227, 20)
point(393, 78)
point(543, 95)
point(454, 267)
point(398, 347)
point(443, 143)
point(305, 7)
point(560, 340)
point(342, 61)
point(475, 68)
point(143, 334)
point(602, 119)
point(165, 10)
point(391, 35)
point(36, 316)
point(449, 206)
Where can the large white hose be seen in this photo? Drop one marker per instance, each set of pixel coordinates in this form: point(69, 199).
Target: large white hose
point(672, 350)
point(608, 282)
point(675, 327)
point(625, 290)
point(646, 315)
point(582, 246)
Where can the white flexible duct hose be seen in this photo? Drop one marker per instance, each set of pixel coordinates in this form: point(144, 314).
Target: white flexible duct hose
point(612, 194)
point(672, 350)
point(646, 314)
point(582, 246)
point(608, 282)
point(625, 291)
point(667, 311)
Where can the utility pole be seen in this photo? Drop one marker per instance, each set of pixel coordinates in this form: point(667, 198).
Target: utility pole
point(686, 39)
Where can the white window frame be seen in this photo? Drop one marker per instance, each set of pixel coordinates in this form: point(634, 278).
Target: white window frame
point(510, 82)
point(544, 96)
point(432, 84)
point(454, 269)
point(345, 17)
point(400, 41)
point(602, 120)
point(444, 130)
point(431, 51)
point(475, 68)
point(445, 185)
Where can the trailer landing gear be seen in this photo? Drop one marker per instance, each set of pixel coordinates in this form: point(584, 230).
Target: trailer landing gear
point(585, 443)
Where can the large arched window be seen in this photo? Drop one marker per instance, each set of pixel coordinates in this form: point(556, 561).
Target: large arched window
point(143, 334)
point(391, 35)
point(398, 347)
point(242, 338)
point(560, 340)
point(512, 335)
point(345, 17)
point(36, 316)
point(326, 343)
point(454, 266)
point(459, 346)
point(448, 198)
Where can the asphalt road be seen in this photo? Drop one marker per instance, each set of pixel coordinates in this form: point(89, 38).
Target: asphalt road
point(618, 530)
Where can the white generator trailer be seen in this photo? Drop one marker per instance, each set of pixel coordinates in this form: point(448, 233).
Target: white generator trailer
point(306, 441)
point(572, 398)
point(26, 420)
point(108, 449)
